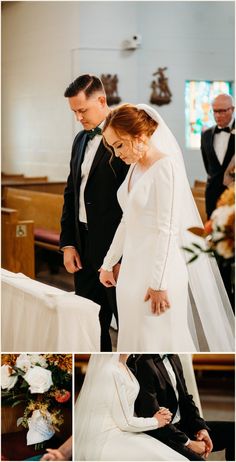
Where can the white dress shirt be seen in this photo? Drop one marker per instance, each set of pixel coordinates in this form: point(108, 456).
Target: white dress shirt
point(220, 143)
point(90, 151)
point(172, 376)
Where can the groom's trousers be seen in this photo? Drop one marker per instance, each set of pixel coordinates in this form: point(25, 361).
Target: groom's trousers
point(87, 285)
point(222, 435)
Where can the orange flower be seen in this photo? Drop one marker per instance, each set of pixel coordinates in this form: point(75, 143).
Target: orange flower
point(208, 227)
point(61, 396)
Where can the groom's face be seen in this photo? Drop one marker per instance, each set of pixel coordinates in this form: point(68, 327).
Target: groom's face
point(90, 112)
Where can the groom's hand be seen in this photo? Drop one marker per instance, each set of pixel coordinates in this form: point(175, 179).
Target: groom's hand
point(203, 435)
point(107, 278)
point(197, 446)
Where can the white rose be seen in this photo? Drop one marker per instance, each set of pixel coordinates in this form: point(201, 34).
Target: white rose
point(39, 379)
point(8, 380)
point(221, 215)
point(23, 362)
point(38, 359)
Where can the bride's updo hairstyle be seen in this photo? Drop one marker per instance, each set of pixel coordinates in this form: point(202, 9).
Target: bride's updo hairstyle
point(128, 119)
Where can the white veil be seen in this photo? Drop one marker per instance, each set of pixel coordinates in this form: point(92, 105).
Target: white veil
point(211, 318)
point(90, 412)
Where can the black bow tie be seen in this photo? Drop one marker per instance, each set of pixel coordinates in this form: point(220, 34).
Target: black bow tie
point(92, 133)
point(219, 130)
point(166, 355)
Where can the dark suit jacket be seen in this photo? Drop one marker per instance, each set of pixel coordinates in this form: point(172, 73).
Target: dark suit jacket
point(156, 390)
point(102, 208)
point(215, 170)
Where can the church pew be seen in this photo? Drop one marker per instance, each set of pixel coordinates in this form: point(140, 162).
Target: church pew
point(54, 187)
point(201, 205)
point(22, 177)
point(199, 184)
point(217, 362)
point(43, 208)
point(198, 192)
point(17, 243)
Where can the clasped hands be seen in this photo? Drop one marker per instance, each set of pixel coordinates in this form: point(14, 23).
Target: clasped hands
point(202, 445)
point(159, 298)
point(163, 416)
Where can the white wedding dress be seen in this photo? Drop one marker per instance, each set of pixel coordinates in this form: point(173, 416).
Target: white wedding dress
point(147, 240)
point(112, 432)
point(158, 210)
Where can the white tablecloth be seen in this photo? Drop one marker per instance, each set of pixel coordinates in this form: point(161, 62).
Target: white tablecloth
point(40, 318)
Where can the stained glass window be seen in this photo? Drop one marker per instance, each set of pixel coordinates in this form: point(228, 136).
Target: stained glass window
point(198, 113)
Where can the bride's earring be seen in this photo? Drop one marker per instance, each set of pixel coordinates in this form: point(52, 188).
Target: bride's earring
point(140, 147)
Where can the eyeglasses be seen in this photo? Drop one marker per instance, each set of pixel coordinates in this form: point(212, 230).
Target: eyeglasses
point(221, 111)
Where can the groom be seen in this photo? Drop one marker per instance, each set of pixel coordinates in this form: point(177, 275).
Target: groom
point(162, 383)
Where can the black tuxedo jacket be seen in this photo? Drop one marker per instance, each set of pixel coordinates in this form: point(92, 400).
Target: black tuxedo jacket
point(215, 170)
point(102, 208)
point(156, 390)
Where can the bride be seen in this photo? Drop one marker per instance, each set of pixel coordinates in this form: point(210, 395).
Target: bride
point(163, 304)
point(105, 425)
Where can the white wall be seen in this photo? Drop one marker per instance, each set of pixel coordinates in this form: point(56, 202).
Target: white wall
point(37, 125)
point(46, 44)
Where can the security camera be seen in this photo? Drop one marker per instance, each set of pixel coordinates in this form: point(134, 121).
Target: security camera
point(133, 43)
point(137, 39)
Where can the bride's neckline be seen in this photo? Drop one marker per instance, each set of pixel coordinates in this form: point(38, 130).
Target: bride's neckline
point(142, 172)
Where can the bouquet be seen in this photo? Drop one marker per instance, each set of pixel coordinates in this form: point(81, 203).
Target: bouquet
point(42, 382)
point(218, 232)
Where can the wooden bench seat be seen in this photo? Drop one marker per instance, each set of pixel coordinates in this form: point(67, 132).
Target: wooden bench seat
point(17, 243)
point(54, 187)
point(214, 362)
point(44, 209)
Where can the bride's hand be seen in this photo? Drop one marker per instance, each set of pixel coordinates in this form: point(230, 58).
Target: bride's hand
point(159, 300)
point(163, 417)
point(107, 278)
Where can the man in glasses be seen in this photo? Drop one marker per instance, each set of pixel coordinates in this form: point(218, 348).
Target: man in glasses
point(218, 149)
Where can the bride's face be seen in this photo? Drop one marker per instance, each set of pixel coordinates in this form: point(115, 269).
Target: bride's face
point(125, 147)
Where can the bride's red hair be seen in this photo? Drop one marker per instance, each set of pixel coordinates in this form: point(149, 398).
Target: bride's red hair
point(128, 119)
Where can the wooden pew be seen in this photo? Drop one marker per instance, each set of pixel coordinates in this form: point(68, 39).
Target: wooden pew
point(214, 362)
point(54, 187)
point(43, 208)
point(198, 192)
point(19, 177)
point(201, 205)
point(199, 184)
point(17, 243)
point(12, 176)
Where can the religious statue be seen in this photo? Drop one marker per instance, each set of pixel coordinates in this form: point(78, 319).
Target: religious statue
point(110, 84)
point(161, 93)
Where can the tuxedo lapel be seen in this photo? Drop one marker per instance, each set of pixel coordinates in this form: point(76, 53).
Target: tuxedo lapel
point(78, 159)
point(211, 145)
point(178, 379)
point(230, 149)
point(160, 366)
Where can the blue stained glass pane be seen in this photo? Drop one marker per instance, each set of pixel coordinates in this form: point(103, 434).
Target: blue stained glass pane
point(198, 113)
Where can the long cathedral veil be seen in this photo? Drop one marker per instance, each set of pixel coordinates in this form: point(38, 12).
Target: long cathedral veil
point(210, 315)
point(90, 412)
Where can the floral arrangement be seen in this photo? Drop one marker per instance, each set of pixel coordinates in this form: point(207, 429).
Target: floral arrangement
point(218, 231)
point(42, 382)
